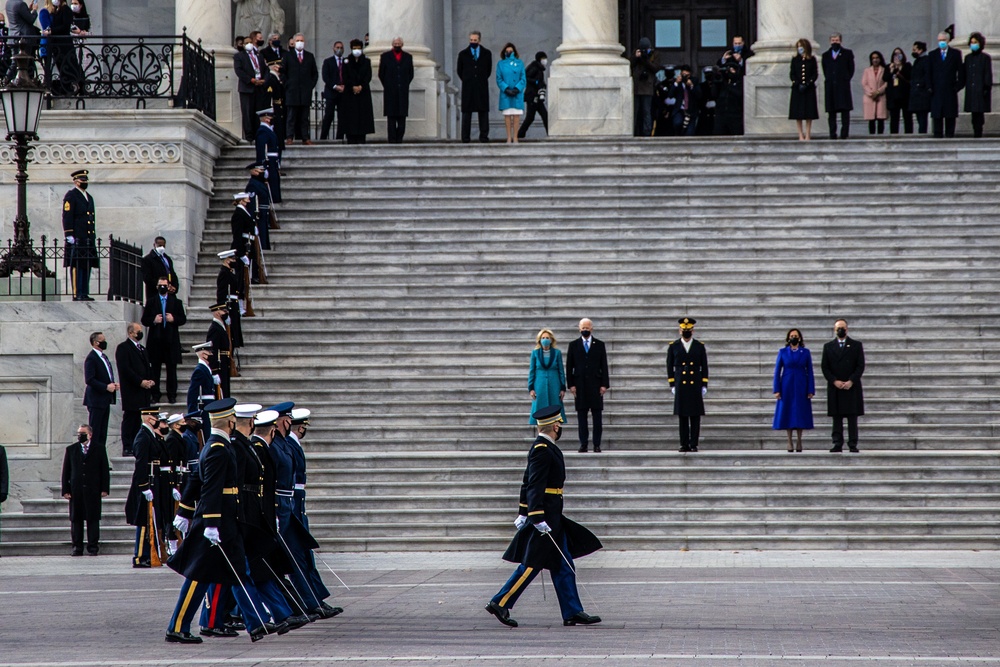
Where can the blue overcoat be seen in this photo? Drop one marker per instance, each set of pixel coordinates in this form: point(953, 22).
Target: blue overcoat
point(793, 377)
point(510, 74)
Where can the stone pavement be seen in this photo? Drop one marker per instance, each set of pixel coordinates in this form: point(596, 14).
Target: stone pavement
point(707, 609)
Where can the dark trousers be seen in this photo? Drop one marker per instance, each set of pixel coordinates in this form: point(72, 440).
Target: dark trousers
point(685, 123)
point(332, 108)
point(845, 123)
point(581, 419)
point(397, 128)
point(484, 126)
point(876, 126)
point(93, 527)
point(142, 550)
point(533, 108)
point(852, 431)
point(563, 581)
point(643, 115)
point(944, 127)
point(894, 115)
point(690, 429)
point(131, 423)
point(188, 602)
point(155, 362)
point(298, 122)
point(921, 121)
point(978, 120)
point(248, 111)
point(98, 421)
point(357, 138)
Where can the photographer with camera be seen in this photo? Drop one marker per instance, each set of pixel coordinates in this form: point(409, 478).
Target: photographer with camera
point(534, 94)
point(729, 99)
point(738, 54)
point(687, 102)
point(645, 62)
point(663, 103)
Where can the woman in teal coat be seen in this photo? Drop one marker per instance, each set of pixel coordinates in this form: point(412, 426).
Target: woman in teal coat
point(546, 374)
point(511, 81)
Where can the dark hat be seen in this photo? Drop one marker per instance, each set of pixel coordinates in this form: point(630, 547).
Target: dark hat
point(194, 415)
point(283, 409)
point(687, 322)
point(548, 415)
point(540, 55)
point(644, 43)
point(254, 165)
point(219, 306)
point(82, 174)
point(150, 412)
point(221, 409)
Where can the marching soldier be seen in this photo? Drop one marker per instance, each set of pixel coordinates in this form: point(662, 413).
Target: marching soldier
point(300, 422)
point(79, 226)
point(204, 387)
point(687, 374)
point(222, 349)
point(142, 496)
point(545, 538)
point(230, 289)
point(177, 453)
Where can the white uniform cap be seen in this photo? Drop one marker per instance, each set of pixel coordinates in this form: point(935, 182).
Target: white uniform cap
point(173, 419)
point(247, 410)
point(266, 418)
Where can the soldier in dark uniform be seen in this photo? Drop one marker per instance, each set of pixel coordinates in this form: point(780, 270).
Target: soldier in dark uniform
point(81, 235)
point(843, 365)
point(242, 224)
point(142, 495)
point(274, 86)
point(687, 373)
point(204, 385)
point(269, 153)
point(261, 200)
point(222, 349)
point(178, 455)
point(230, 288)
point(545, 538)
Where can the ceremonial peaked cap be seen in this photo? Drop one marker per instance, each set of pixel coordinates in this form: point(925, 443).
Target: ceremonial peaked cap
point(221, 409)
point(548, 415)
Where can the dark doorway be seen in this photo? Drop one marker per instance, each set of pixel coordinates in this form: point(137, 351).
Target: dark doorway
point(696, 32)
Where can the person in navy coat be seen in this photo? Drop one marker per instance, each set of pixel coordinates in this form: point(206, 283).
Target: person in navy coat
point(947, 76)
point(843, 365)
point(687, 375)
point(794, 386)
point(474, 68)
point(268, 154)
point(163, 315)
point(588, 380)
point(101, 389)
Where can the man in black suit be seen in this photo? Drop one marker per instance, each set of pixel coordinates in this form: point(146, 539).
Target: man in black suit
point(251, 72)
point(838, 70)
point(79, 227)
point(86, 478)
point(395, 71)
point(920, 86)
point(162, 316)
point(156, 264)
point(947, 75)
point(101, 389)
point(333, 90)
point(843, 365)
point(475, 66)
point(687, 375)
point(136, 378)
point(301, 75)
point(588, 380)
point(273, 53)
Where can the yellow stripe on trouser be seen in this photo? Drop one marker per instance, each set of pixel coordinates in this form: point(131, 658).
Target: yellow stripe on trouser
point(142, 540)
point(184, 607)
point(516, 586)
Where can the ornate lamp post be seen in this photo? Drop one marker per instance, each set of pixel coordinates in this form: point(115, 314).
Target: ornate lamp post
point(22, 105)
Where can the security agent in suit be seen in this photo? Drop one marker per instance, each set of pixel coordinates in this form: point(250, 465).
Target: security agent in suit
point(79, 227)
point(101, 389)
point(947, 77)
point(545, 538)
point(333, 91)
point(843, 365)
point(588, 380)
point(475, 66)
point(163, 316)
point(268, 152)
point(158, 264)
point(148, 451)
point(222, 347)
point(687, 374)
point(136, 379)
point(838, 70)
point(86, 478)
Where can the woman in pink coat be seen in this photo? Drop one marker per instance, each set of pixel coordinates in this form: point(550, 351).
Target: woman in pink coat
point(874, 83)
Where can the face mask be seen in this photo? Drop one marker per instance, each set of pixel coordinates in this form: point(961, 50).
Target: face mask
point(164, 430)
point(338, 52)
point(302, 433)
point(942, 45)
point(585, 333)
point(248, 47)
point(83, 186)
point(841, 332)
point(737, 48)
point(55, 3)
point(300, 46)
point(974, 46)
point(182, 428)
point(801, 50)
point(159, 250)
point(276, 44)
point(510, 54)
point(356, 53)
point(473, 45)
point(835, 47)
point(162, 289)
point(103, 345)
point(545, 62)
point(81, 437)
point(546, 342)
point(397, 49)
point(138, 335)
point(686, 334)
point(76, 8)
point(794, 340)
point(898, 57)
point(260, 43)
point(558, 433)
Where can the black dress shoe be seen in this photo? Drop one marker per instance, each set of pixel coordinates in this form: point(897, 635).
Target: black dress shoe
point(143, 563)
point(583, 618)
point(836, 449)
point(267, 629)
point(77, 552)
point(503, 615)
point(597, 449)
point(92, 553)
point(329, 612)
point(684, 450)
point(583, 449)
point(294, 623)
point(694, 449)
point(234, 625)
point(854, 450)
point(218, 632)
point(182, 638)
point(332, 611)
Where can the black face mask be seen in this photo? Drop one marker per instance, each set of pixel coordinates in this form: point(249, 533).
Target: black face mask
point(687, 333)
point(162, 289)
point(82, 437)
point(138, 336)
point(841, 332)
point(558, 433)
point(164, 430)
point(794, 340)
point(585, 333)
point(83, 186)
point(182, 428)
point(103, 345)
point(260, 43)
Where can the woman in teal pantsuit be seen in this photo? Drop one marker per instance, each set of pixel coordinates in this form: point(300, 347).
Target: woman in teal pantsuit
point(546, 374)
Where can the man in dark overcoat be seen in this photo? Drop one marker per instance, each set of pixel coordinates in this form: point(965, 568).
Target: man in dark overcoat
point(843, 365)
point(163, 315)
point(86, 478)
point(79, 228)
point(687, 375)
point(333, 92)
point(136, 378)
point(395, 71)
point(357, 114)
point(920, 86)
point(301, 76)
point(588, 380)
point(947, 78)
point(545, 538)
point(475, 66)
point(158, 263)
point(838, 70)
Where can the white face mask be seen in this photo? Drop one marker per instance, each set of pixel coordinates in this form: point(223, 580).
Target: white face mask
point(300, 46)
point(248, 47)
point(76, 8)
point(55, 3)
point(545, 62)
point(356, 53)
point(160, 250)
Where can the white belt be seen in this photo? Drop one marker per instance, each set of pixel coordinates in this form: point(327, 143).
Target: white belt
point(166, 469)
point(192, 463)
point(283, 493)
point(300, 487)
point(232, 297)
point(206, 397)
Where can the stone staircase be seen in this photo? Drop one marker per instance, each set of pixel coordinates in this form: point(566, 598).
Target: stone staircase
point(408, 282)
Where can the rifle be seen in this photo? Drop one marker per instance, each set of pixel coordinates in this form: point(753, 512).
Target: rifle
point(272, 216)
point(234, 371)
point(258, 258)
point(246, 289)
point(154, 530)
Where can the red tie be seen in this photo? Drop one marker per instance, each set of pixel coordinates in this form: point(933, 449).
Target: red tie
point(253, 57)
point(300, 56)
point(340, 68)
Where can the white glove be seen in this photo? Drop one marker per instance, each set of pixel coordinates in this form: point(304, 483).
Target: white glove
point(176, 494)
point(212, 535)
point(710, 104)
point(71, 240)
point(246, 260)
point(704, 390)
point(542, 527)
point(520, 521)
point(277, 524)
point(181, 524)
point(171, 547)
point(216, 379)
point(148, 495)
point(673, 391)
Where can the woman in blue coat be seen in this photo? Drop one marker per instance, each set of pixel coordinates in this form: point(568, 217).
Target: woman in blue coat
point(794, 387)
point(511, 81)
point(546, 374)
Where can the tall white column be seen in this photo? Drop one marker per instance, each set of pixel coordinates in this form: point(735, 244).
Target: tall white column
point(413, 20)
point(211, 21)
point(766, 90)
point(978, 16)
point(590, 84)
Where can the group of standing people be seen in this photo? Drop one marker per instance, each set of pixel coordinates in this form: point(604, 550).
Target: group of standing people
point(896, 89)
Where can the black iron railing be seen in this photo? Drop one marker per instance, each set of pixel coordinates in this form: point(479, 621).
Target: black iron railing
point(119, 276)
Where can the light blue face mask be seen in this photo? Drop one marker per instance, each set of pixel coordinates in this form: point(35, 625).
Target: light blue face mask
point(974, 46)
point(546, 342)
point(942, 45)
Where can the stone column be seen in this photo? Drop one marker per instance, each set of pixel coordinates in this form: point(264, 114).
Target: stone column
point(590, 84)
point(211, 21)
point(780, 23)
point(977, 16)
point(413, 20)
